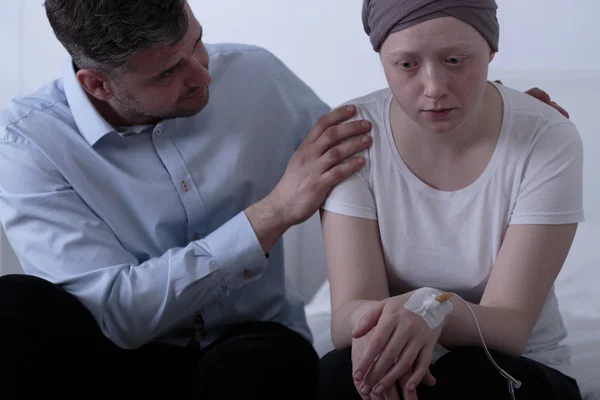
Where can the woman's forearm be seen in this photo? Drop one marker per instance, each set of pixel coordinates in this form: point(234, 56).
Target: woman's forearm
point(503, 330)
point(346, 318)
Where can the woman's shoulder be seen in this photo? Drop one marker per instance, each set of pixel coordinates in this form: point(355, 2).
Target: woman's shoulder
point(537, 128)
point(371, 106)
point(526, 113)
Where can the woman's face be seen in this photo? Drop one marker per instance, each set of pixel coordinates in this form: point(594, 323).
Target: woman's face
point(437, 72)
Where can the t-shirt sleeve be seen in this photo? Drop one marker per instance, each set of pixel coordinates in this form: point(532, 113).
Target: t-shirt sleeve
point(354, 196)
point(551, 189)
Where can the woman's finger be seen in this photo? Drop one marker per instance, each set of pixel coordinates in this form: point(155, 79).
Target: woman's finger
point(402, 365)
point(429, 379)
point(368, 321)
point(377, 342)
point(420, 369)
point(407, 394)
point(391, 394)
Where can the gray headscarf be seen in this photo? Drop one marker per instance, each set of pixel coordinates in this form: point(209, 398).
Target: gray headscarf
point(383, 17)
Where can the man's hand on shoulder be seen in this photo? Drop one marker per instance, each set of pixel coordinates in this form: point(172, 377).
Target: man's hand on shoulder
point(325, 158)
point(544, 97)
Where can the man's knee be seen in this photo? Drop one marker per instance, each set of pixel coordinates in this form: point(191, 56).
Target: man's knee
point(38, 311)
point(20, 288)
point(24, 294)
point(263, 359)
point(270, 342)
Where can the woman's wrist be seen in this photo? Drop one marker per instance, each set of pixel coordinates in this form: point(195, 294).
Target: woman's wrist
point(361, 307)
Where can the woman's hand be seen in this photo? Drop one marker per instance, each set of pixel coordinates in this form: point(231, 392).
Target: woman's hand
point(400, 343)
point(358, 349)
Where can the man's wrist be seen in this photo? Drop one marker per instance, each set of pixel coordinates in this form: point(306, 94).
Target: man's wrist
point(267, 220)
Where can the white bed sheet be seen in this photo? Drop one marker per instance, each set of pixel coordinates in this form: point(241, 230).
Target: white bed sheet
point(577, 289)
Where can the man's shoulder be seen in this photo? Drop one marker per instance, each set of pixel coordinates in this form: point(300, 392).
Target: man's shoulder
point(232, 52)
point(227, 48)
point(46, 104)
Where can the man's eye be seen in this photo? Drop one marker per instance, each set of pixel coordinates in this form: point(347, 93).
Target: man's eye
point(166, 74)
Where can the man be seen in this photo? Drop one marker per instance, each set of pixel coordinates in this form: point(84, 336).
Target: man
point(148, 219)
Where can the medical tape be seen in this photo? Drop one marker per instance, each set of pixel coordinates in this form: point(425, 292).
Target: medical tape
point(430, 304)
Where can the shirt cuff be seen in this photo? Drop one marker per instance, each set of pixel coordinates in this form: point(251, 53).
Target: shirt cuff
point(236, 252)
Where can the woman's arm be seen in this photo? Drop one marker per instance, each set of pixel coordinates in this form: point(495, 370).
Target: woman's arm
point(356, 270)
point(534, 248)
point(530, 259)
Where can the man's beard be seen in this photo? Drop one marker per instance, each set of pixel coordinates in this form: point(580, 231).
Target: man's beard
point(129, 108)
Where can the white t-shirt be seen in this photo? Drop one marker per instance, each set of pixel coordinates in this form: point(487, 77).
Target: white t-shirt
point(449, 240)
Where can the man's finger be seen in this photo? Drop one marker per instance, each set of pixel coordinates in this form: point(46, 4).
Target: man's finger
point(560, 109)
point(342, 171)
point(340, 133)
point(343, 151)
point(539, 94)
point(332, 118)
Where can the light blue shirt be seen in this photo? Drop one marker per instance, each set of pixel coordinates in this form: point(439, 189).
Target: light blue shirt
point(146, 227)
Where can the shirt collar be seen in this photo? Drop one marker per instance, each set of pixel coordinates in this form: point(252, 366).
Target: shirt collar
point(91, 124)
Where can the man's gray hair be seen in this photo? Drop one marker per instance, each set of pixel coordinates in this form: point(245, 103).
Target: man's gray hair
point(105, 34)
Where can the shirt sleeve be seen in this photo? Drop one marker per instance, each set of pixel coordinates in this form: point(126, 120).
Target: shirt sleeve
point(354, 196)
point(551, 189)
point(59, 238)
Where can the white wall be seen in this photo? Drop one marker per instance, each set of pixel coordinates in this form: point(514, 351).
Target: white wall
point(10, 76)
point(323, 42)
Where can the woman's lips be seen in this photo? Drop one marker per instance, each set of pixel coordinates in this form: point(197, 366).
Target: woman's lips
point(438, 113)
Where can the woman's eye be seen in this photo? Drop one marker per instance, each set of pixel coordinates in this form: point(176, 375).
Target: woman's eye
point(406, 64)
point(454, 60)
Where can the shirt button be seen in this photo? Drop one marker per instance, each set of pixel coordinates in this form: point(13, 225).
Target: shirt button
point(199, 321)
point(158, 132)
point(247, 274)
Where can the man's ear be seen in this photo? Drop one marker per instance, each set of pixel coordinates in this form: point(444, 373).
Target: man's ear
point(492, 55)
point(95, 83)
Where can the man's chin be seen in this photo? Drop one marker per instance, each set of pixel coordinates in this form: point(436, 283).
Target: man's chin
point(189, 110)
point(185, 112)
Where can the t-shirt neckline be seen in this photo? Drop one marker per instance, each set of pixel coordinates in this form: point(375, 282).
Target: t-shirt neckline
point(416, 183)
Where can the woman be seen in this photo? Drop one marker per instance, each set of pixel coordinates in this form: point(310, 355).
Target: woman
point(470, 189)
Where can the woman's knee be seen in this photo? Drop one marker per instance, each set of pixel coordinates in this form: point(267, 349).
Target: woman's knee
point(469, 371)
point(463, 364)
point(337, 362)
point(335, 376)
